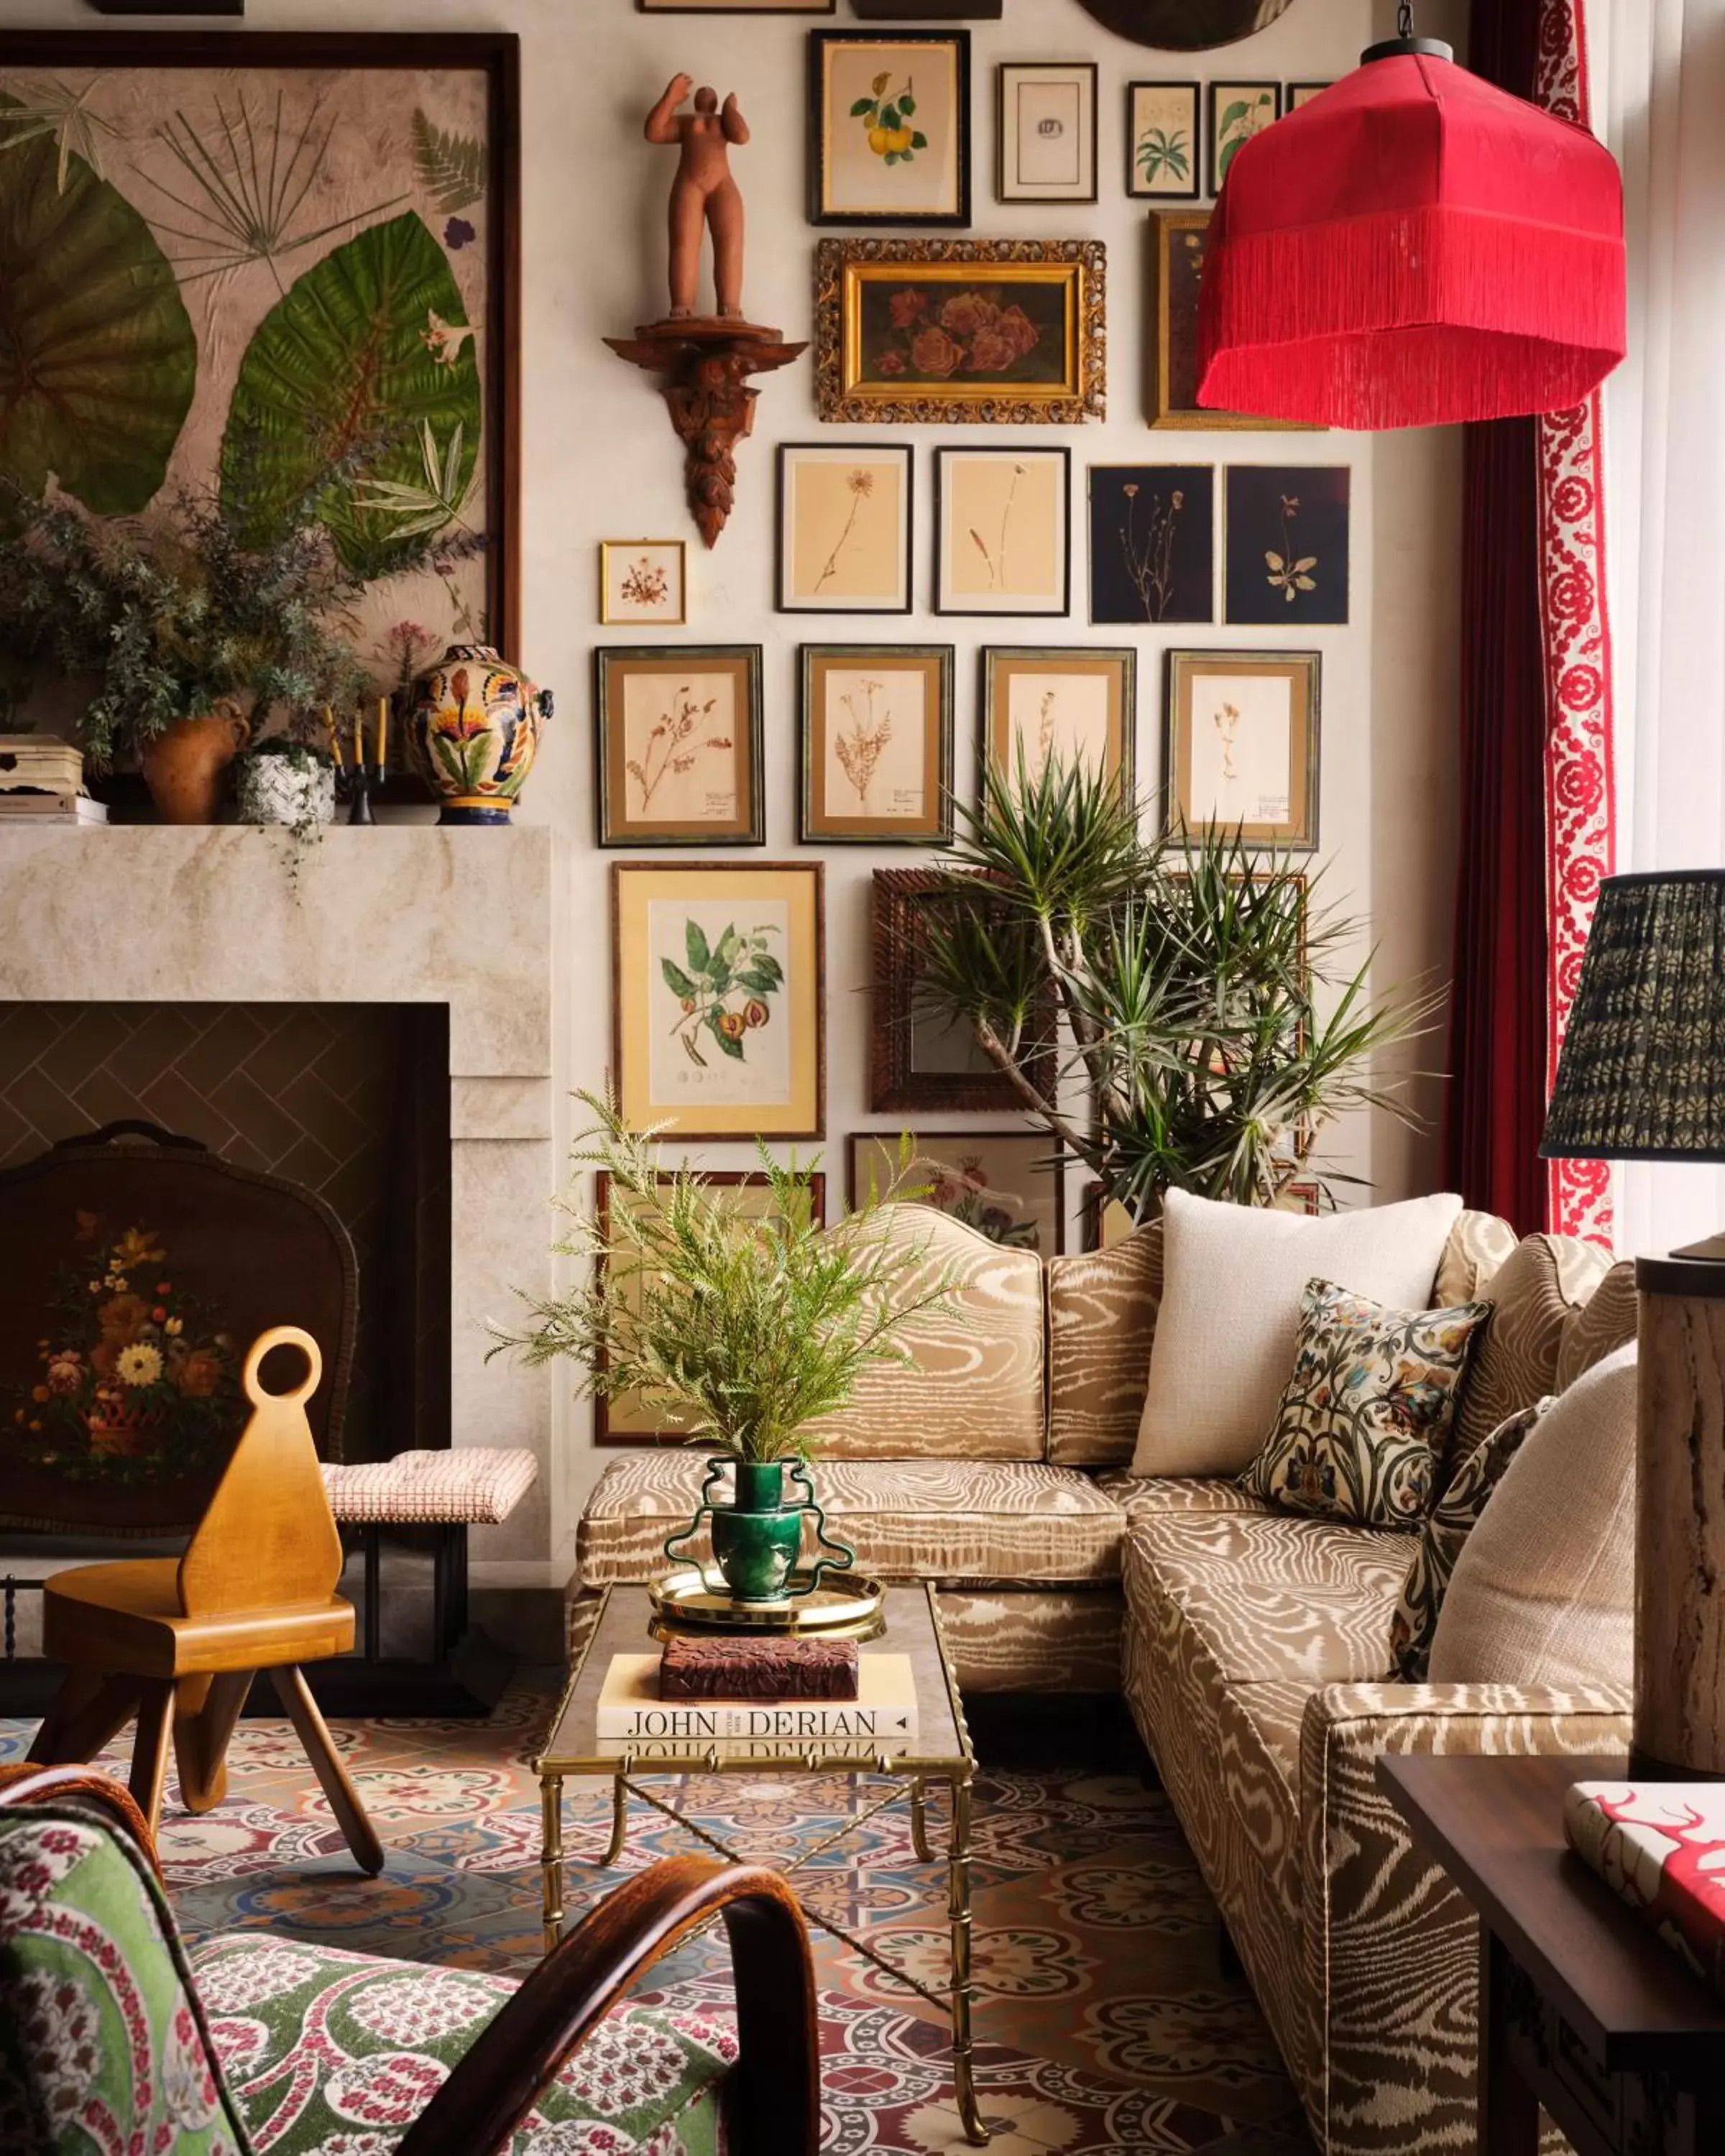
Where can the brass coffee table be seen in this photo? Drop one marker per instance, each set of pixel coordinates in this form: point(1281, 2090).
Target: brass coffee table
point(942, 1753)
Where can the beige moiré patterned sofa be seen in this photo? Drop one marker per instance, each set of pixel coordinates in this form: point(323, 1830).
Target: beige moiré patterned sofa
point(1252, 1646)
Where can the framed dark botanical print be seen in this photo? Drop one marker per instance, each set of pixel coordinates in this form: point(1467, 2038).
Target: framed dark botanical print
point(889, 127)
point(1152, 546)
point(679, 745)
point(877, 745)
point(920, 1057)
point(1285, 543)
point(233, 246)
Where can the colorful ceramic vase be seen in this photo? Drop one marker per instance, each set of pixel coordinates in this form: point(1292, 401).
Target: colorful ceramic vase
point(474, 723)
point(757, 1536)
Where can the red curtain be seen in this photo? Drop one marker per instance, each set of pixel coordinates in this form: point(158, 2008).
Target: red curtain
point(1498, 1007)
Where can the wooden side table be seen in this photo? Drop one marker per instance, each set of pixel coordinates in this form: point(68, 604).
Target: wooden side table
point(1584, 2010)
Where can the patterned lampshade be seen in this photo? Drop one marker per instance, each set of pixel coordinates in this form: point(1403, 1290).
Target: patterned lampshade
point(1642, 1073)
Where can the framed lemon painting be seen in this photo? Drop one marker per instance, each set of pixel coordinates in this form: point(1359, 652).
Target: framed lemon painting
point(889, 127)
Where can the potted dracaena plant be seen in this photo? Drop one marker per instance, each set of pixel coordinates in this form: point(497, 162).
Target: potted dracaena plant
point(747, 1328)
point(1208, 1032)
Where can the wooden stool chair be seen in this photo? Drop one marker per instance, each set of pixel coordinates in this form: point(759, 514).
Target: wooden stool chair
point(177, 1644)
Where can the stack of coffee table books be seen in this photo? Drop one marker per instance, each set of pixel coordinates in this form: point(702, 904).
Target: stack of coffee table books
point(42, 781)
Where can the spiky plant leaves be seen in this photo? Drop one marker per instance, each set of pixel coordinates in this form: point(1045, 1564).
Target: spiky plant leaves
point(451, 167)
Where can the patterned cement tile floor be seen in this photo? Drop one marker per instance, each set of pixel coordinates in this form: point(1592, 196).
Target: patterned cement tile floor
point(1104, 2026)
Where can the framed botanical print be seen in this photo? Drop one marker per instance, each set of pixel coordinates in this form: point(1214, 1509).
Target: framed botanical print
point(1071, 704)
point(719, 998)
point(889, 127)
point(877, 745)
point(629, 1419)
point(1161, 140)
point(1296, 95)
point(845, 514)
point(1003, 530)
point(1238, 110)
point(1285, 543)
point(1045, 132)
point(992, 332)
point(678, 739)
point(1176, 247)
point(1008, 1185)
point(920, 1057)
point(232, 246)
point(642, 582)
point(1152, 550)
point(1242, 745)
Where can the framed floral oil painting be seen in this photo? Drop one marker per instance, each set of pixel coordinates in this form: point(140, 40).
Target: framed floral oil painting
point(846, 517)
point(719, 998)
point(679, 739)
point(629, 1420)
point(642, 582)
point(1242, 745)
point(1074, 705)
point(1285, 543)
point(231, 247)
point(1238, 110)
point(1003, 530)
point(1178, 238)
point(1152, 543)
point(1008, 1185)
point(992, 332)
point(877, 745)
point(889, 127)
point(1045, 132)
point(1161, 140)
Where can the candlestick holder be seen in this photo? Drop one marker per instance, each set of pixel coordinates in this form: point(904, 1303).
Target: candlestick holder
point(360, 779)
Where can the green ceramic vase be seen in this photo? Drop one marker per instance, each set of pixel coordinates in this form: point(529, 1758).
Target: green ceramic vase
point(758, 1535)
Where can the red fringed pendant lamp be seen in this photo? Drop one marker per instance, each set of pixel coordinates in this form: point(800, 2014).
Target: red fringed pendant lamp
point(1412, 246)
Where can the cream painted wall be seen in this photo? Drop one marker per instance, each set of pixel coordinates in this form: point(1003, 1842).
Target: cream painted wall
point(600, 461)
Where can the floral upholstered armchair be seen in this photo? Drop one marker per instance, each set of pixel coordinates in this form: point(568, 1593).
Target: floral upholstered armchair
point(114, 2034)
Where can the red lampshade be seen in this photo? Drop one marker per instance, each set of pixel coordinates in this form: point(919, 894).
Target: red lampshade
point(1411, 247)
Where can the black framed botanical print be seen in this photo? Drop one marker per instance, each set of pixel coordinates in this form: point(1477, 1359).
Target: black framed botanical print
point(846, 513)
point(1163, 131)
point(1238, 110)
point(877, 745)
point(889, 127)
point(1285, 543)
point(1003, 530)
point(1045, 132)
point(1152, 543)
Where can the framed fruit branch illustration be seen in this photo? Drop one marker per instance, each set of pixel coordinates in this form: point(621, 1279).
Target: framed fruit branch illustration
point(229, 266)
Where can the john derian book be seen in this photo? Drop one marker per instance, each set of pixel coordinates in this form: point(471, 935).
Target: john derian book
point(884, 1713)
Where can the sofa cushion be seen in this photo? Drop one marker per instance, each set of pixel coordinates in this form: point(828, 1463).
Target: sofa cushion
point(1480, 1245)
point(1149, 1496)
point(1604, 1322)
point(974, 1389)
point(1101, 1321)
point(1543, 1592)
point(318, 2044)
point(1230, 1309)
point(975, 1520)
point(1266, 1598)
point(1364, 1417)
point(1532, 1294)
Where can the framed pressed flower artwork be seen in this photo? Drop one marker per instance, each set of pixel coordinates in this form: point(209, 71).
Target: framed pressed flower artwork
point(1161, 140)
point(678, 739)
point(1074, 705)
point(889, 127)
point(877, 745)
point(1285, 543)
point(1008, 1185)
point(1003, 530)
point(1238, 110)
point(1177, 240)
point(915, 331)
point(844, 527)
point(1242, 745)
point(719, 998)
point(1045, 132)
point(1153, 545)
point(642, 582)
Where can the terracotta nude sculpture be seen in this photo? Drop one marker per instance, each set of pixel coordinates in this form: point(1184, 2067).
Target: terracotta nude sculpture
point(703, 193)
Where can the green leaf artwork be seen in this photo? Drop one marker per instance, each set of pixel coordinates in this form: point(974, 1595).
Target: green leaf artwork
point(367, 350)
point(100, 355)
point(738, 965)
point(1163, 152)
point(451, 167)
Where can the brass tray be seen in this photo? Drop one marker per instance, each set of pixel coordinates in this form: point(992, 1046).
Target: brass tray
point(696, 1598)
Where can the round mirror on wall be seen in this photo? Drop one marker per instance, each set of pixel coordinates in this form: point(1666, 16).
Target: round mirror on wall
point(1185, 26)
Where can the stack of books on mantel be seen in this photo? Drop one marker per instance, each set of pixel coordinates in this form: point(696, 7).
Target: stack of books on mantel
point(766, 1698)
point(42, 781)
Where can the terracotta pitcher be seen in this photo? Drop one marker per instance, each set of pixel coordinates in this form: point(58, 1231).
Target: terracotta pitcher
point(183, 764)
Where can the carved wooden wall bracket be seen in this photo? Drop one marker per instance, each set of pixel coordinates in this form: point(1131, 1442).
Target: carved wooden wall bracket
point(705, 362)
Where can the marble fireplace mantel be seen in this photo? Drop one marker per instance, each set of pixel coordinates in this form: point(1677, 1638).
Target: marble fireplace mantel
point(394, 914)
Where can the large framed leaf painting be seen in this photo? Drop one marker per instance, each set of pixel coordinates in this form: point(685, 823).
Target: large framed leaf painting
point(234, 264)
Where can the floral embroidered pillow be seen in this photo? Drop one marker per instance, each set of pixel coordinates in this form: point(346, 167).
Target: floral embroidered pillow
point(1452, 1520)
point(1362, 1421)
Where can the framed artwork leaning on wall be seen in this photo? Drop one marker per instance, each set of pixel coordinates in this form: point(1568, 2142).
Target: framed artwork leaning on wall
point(877, 745)
point(678, 739)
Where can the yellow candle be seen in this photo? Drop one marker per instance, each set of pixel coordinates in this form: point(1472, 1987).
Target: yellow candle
point(382, 733)
point(359, 737)
point(329, 720)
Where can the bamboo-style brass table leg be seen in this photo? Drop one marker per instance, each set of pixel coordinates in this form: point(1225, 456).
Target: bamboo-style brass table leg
point(619, 1823)
point(963, 1978)
point(919, 1820)
point(551, 1856)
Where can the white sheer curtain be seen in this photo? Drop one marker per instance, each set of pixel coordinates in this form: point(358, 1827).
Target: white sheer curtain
point(1659, 81)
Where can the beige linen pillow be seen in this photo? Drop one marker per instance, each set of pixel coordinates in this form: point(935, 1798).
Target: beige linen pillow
point(1232, 1280)
point(1543, 1592)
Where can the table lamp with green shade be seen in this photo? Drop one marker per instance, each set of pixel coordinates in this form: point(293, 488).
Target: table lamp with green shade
point(1642, 1077)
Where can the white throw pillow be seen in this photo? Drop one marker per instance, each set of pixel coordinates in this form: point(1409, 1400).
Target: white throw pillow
point(1233, 1277)
point(1543, 1593)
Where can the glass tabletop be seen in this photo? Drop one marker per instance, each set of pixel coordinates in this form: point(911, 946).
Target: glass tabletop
point(624, 1627)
